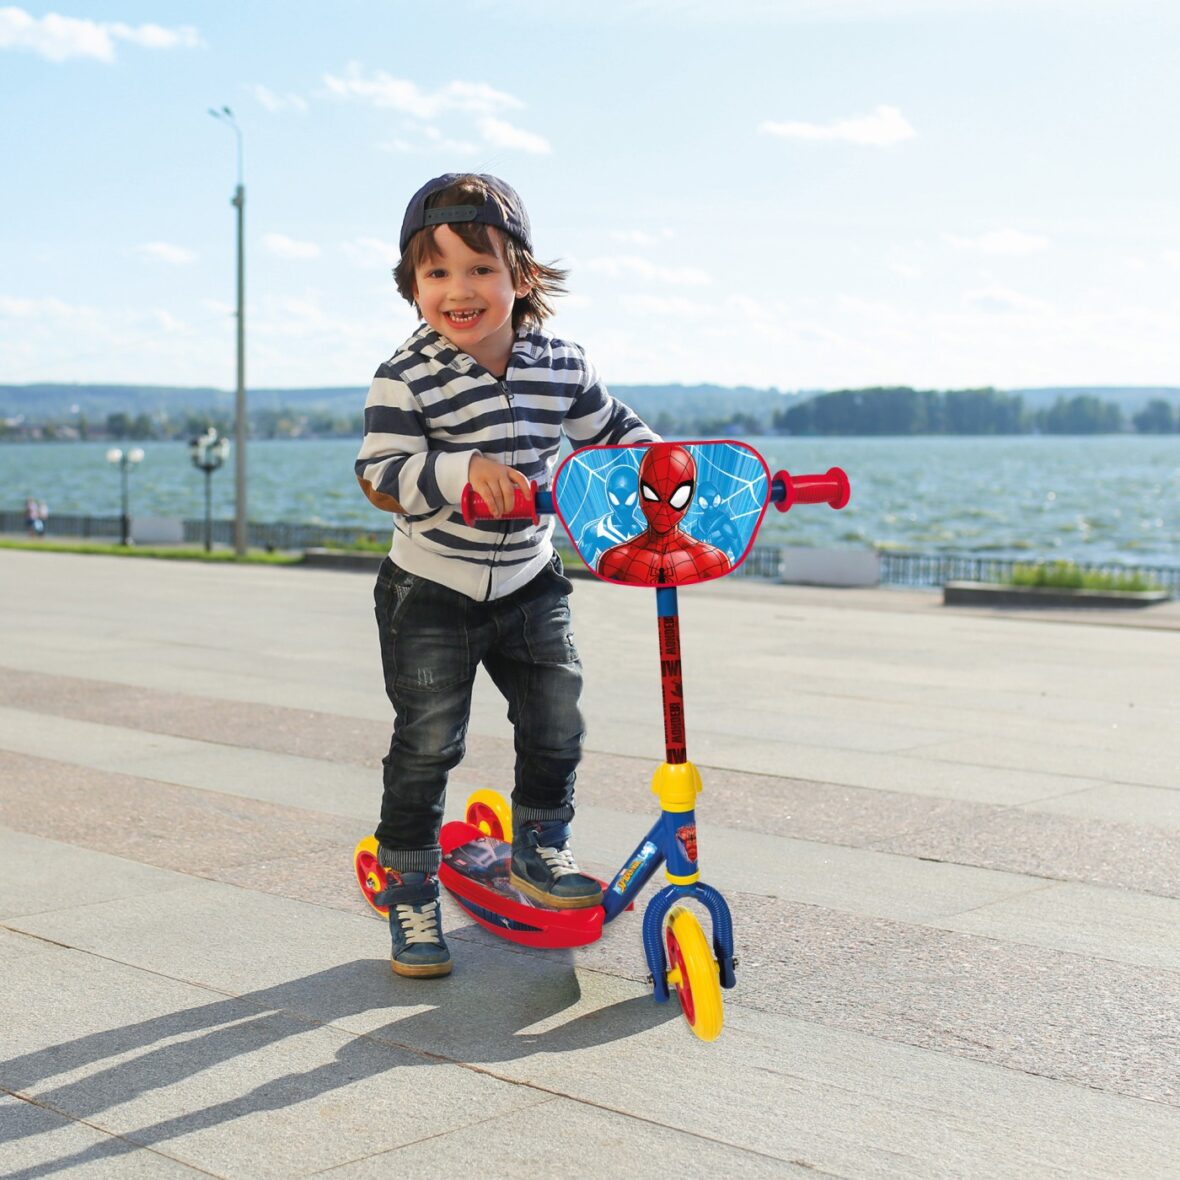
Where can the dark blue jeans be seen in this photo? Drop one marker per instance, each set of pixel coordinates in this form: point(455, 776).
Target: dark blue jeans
point(433, 641)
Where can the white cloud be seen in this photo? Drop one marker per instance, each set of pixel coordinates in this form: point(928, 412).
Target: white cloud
point(1005, 301)
point(475, 99)
point(22, 307)
point(676, 306)
point(157, 37)
point(284, 247)
point(372, 252)
point(166, 252)
point(400, 94)
point(429, 139)
point(58, 38)
point(1172, 257)
point(278, 102)
point(883, 128)
point(641, 268)
point(639, 237)
point(504, 135)
point(1011, 242)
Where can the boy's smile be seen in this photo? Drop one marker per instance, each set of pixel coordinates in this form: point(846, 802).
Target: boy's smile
point(468, 297)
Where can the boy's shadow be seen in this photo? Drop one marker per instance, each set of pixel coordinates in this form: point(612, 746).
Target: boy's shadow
point(477, 1015)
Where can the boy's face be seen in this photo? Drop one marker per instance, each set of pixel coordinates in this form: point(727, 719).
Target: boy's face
point(468, 297)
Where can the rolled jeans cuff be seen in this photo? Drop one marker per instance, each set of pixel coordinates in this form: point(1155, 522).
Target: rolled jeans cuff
point(410, 860)
point(523, 815)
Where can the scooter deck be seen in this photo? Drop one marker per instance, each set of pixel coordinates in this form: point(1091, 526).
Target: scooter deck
point(475, 870)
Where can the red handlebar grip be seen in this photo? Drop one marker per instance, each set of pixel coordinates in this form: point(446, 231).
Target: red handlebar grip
point(831, 488)
point(524, 506)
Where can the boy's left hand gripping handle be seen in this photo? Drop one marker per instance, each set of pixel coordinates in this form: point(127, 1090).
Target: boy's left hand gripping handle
point(524, 506)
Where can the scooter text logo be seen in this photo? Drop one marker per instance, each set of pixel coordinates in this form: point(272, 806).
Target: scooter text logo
point(645, 853)
point(687, 836)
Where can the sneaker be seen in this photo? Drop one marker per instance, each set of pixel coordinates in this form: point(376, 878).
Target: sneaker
point(419, 948)
point(543, 868)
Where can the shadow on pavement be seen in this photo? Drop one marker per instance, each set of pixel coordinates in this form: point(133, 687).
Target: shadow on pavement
point(480, 1014)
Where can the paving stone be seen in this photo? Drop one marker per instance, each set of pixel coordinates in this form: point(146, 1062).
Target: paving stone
point(39, 1140)
point(1052, 846)
point(1156, 807)
point(1091, 1021)
point(157, 823)
point(596, 1143)
point(1088, 919)
point(38, 875)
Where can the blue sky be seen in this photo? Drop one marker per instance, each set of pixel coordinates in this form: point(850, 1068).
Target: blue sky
point(793, 193)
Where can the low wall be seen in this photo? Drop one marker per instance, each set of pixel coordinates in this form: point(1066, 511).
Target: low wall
point(830, 567)
point(157, 530)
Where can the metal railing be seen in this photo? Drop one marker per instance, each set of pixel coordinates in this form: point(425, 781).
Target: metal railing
point(920, 570)
point(934, 570)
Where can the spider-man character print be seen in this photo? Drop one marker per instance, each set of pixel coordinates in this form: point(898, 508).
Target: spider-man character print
point(664, 555)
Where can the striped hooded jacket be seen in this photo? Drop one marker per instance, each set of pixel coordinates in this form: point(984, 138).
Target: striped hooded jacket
point(431, 407)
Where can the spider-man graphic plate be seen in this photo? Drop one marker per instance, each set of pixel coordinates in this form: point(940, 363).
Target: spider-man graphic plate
point(664, 514)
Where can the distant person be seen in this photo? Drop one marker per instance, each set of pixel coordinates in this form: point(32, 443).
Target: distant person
point(34, 525)
point(42, 518)
point(479, 394)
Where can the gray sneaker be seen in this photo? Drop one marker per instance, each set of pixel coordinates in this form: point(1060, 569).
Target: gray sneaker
point(543, 868)
point(419, 949)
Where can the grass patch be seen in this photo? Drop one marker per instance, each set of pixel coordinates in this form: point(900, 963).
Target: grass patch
point(1065, 575)
point(164, 552)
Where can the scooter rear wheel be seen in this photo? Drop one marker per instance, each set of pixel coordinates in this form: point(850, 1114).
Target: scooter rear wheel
point(693, 972)
point(491, 813)
point(370, 876)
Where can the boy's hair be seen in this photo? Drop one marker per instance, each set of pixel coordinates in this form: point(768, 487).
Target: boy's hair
point(546, 281)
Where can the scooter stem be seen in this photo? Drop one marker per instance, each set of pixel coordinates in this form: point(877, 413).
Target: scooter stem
point(671, 682)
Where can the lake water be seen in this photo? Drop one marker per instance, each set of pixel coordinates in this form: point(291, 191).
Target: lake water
point(1101, 498)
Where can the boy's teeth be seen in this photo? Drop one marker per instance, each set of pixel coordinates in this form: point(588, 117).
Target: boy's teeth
point(462, 315)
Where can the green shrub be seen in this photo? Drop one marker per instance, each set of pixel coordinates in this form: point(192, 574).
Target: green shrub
point(167, 553)
point(1066, 575)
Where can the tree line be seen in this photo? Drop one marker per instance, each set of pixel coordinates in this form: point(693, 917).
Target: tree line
point(902, 410)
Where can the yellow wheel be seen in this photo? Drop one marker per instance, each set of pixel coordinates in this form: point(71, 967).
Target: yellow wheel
point(370, 876)
point(694, 973)
point(491, 813)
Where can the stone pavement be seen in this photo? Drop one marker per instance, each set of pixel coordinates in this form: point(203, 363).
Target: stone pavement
point(950, 838)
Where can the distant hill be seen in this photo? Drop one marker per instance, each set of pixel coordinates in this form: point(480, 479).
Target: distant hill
point(45, 401)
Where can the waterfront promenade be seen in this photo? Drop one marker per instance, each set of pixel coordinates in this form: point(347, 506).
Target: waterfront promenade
point(950, 838)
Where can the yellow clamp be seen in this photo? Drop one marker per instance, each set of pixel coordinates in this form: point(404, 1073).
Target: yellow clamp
point(677, 784)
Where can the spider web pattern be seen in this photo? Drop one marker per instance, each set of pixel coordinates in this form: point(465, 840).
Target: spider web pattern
point(735, 470)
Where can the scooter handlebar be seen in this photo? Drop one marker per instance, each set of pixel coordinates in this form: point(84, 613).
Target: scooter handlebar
point(831, 488)
point(525, 505)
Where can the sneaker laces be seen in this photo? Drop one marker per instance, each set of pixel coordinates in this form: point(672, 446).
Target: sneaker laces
point(418, 925)
point(559, 861)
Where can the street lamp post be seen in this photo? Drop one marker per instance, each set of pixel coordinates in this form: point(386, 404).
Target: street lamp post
point(208, 452)
point(125, 461)
point(226, 116)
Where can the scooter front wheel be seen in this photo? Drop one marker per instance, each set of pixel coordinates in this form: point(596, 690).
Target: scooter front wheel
point(693, 972)
point(370, 876)
point(491, 813)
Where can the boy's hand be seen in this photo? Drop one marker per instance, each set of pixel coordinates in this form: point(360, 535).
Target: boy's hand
point(495, 483)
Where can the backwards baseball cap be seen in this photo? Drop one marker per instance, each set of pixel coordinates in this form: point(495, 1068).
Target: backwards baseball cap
point(506, 213)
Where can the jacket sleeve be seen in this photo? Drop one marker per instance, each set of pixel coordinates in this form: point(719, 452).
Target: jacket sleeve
point(596, 418)
point(396, 468)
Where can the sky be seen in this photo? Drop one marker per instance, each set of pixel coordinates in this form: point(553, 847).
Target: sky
point(797, 194)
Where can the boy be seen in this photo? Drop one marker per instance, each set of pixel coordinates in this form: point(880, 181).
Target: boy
point(479, 394)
